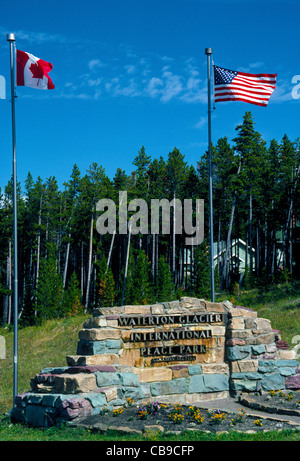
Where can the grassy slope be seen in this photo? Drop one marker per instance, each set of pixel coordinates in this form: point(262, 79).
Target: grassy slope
point(39, 347)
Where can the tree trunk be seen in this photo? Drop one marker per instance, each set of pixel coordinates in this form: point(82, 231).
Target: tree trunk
point(66, 263)
point(225, 266)
point(89, 267)
point(126, 265)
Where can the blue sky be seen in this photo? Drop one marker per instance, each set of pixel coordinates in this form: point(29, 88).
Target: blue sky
point(133, 72)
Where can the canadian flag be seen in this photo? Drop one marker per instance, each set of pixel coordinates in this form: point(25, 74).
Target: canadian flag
point(33, 72)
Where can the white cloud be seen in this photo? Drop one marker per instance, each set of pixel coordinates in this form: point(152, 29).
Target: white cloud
point(95, 64)
point(154, 87)
point(202, 122)
point(172, 86)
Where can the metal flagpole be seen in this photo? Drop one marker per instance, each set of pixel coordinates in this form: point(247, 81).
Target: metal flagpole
point(208, 52)
point(11, 40)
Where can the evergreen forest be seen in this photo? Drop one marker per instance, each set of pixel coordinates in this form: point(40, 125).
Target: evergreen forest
point(66, 267)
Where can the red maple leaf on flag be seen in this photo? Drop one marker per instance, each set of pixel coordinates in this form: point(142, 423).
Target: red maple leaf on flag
point(36, 70)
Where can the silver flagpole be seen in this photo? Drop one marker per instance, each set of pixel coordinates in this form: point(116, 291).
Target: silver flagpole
point(208, 52)
point(11, 39)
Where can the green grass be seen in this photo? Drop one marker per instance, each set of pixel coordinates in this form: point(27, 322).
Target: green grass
point(49, 344)
point(280, 304)
point(39, 347)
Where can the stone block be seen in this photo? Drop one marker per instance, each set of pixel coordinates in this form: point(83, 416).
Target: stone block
point(208, 383)
point(157, 309)
point(196, 384)
point(246, 335)
point(215, 368)
point(113, 344)
point(247, 375)
point(145, 390)
point(244, 366)
point(249, 324)
point(287, 363)
point(129, 379)
point(98, 334)
point(238, 352)
point(216, 382)
point(286, 355)
point(214, 307)
point(146, 375)
point(195, 370)
point(107, 379)
point(245, 313)
point(180, 371)
point(287, 371)
point(74, 384)
point(293, 382)
point(176, 386)
point(107, 359)
point(236, 323)
point(108, 311)
point(272, 381)
point(235, 342)
point(97, 399)
point(257, 350)
point(187, 302)
point(110, 393)
point(36, 416)
point(131, 357)
point(74, 408)
point(263, 338)
point(263, 324)
point(144, 310)
point(243, 385)
point(95, 322)
point(217, 330)
point(85, 347)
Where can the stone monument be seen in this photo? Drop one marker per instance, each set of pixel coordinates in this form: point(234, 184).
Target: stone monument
point(184, 351)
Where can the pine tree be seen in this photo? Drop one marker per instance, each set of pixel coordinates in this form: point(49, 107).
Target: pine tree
point(106, 284)
point(49, 292)
point(165, 288)
point(139, 287)
point(201, 282)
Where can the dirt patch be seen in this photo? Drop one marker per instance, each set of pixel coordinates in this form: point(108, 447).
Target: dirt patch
point(152, 417)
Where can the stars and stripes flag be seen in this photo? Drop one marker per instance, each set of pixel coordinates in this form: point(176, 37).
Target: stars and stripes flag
point(230, 85)
point(33, 71)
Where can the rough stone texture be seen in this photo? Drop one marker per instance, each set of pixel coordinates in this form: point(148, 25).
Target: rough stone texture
point(176, 386)
point(146, 375)
point(73, 408)
point(293, 382)
point(74, 384)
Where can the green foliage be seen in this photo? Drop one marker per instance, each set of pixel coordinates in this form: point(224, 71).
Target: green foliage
point(49, 292)
point(72, 298)
point(139, 285)
point(107, 286)
point(201, 283)
point(252, 182)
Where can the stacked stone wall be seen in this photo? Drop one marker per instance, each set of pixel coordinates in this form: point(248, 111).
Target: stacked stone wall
point(183, 351)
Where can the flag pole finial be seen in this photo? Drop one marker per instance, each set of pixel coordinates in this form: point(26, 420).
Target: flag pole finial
point(208, 51)
point(10, 37)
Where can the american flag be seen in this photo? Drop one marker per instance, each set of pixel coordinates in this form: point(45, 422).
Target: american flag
point(230, 85)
